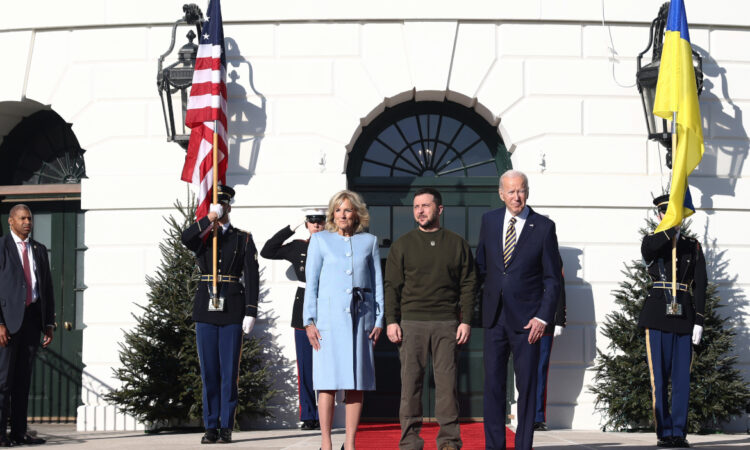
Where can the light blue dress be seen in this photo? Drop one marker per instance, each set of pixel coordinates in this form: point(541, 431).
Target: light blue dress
point(335, 266)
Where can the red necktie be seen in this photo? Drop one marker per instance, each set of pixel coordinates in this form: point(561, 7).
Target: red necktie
point(27, 273)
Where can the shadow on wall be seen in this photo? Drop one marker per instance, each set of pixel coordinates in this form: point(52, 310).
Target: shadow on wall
point(725, 138)
point(574, 351)
point(246, 121)
point(282, 373)
point(734, 306)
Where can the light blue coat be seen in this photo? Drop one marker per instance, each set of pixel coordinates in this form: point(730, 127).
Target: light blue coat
point(335, 265)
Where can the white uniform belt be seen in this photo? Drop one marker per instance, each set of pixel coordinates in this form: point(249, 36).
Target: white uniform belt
point(300, 284)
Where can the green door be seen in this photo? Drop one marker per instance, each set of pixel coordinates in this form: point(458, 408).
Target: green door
point(449, 147)
point(462, 214)
point(41, 165)
point(56, 384)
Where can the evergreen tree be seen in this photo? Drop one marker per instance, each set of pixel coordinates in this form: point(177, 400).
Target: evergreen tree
point(622, 382)
point(160, 373)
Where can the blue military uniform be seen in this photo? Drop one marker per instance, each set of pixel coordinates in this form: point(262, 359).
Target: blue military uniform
point(219, 333)
point(545, 351)
point(296, 253)
point(668, 336)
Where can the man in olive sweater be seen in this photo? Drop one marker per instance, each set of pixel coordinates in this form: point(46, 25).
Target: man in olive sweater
point(430, 283)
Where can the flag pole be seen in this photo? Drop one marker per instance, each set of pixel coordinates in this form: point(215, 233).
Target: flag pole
point(215, 200)
point(674, 241)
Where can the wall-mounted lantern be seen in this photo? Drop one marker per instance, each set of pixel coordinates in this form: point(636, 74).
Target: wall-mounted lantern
point(648, 75)
point(174, 81)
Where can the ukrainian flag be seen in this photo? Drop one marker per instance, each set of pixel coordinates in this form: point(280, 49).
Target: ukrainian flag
point(676, 91)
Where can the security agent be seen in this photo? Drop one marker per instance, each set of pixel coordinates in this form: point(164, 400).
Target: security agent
point(671, 324)
point(296, 253)
point(220, 321)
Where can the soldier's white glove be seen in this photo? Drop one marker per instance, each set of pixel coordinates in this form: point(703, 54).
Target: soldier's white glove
point(697, 333)
point(216, 208)
point(558, 331)
point(247, 324)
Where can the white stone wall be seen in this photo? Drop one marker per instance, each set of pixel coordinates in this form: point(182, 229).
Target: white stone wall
point(310, 74)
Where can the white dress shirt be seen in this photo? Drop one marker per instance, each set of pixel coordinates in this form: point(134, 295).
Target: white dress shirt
point(520, 221)
point(19, 246)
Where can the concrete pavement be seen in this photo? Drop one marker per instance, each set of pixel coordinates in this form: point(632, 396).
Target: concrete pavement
point(65, 436)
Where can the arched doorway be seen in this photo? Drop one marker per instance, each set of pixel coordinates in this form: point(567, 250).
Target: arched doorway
point(41, 165)
point(452, 148)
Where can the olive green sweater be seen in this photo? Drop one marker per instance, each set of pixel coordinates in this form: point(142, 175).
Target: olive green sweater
point(428, 276)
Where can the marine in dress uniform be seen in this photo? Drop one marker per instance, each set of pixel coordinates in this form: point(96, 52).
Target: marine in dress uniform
point(551, 331)
point(296, 253)
point(219, 329)
point(669, 333)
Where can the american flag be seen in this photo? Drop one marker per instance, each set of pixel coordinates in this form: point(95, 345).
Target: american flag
point(207, 106)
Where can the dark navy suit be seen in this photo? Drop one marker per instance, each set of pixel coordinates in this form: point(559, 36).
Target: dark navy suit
point(25, 325)
point(529, 287)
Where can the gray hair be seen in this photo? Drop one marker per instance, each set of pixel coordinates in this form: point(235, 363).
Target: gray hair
point(511, 173)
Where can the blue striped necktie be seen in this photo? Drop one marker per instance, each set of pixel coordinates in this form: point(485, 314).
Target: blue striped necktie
point(510, 241)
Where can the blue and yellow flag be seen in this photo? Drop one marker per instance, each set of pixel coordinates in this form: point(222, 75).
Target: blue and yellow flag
point(676, 91)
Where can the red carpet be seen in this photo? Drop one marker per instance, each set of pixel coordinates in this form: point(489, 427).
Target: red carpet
point(386, 436)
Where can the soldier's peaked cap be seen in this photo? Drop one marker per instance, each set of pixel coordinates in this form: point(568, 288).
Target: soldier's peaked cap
point(661, 202)
point(315, 213)
point(225, 193)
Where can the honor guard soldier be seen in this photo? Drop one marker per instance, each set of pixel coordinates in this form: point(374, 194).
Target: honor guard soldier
point(296, 253)
point(221, 317)
point(672, 322)
point(551, 331)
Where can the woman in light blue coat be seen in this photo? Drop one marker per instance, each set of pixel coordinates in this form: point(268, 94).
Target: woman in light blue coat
point(343, 310)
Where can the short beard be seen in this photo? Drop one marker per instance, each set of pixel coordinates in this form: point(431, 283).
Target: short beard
point(432, 223)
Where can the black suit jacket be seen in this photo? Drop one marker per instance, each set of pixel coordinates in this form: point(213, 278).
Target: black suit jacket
point(530, 285)
point(13, 285)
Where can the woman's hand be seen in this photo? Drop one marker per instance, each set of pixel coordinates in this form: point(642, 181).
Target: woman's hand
point(313, 335)
point(375, 335)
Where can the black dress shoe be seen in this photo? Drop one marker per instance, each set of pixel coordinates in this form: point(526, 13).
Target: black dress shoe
point(225, 436)
point(210, 437)
point(665, 442)
point(27, 439)
point(540, 426)
point(680, 442)
point(307, 425)
point(5, 442)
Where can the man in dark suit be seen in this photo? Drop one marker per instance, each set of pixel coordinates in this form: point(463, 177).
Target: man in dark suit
point(219, 324)
point(27, 308)
point(519, 261)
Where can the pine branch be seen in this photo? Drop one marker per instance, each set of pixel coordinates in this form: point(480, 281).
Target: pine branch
point(621, 376)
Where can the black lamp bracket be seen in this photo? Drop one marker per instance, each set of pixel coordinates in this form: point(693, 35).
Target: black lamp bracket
point(193, 16)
